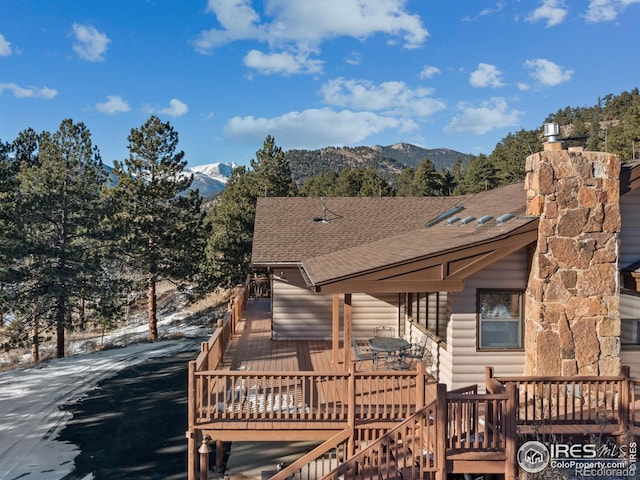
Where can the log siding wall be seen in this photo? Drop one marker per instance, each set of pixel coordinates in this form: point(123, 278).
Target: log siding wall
point(462, 364)
point(300, 314)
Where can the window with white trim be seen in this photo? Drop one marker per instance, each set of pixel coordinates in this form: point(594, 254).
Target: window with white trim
point(500, 319)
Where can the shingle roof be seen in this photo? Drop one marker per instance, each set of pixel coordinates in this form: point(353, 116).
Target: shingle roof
point(364, 234)
point(286, 232)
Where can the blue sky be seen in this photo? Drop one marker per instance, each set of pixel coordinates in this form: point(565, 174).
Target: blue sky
point(225, 73)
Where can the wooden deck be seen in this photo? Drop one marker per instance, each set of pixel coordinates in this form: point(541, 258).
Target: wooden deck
point(246, 386)
point(252, 348)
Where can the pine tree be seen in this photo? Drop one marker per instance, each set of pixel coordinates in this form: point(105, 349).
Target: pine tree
point(9, 224)
point(321, 185)
point(159, 219)
point(404, 183)
point(230, 227)
point(479, 175)
point(230, 222)
point(509, 155)
point(60, 193)
point(426, 181)
point(270, 171)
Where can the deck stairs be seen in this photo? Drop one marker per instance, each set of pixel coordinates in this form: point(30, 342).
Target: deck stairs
point(416, 448)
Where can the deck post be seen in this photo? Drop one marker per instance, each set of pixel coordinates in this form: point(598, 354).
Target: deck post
point(219, 455)
point(204, 452)
point(420, 386)
point(441, 432)
point(510, 432)
point(347, 330)
point(624, 400)
point(488, 373)
point(191, 433)
point(335, 329)
point(351, 412)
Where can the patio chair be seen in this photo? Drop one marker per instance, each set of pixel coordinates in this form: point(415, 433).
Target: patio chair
point(417, 350)
point(360, 355)
point(420, 352)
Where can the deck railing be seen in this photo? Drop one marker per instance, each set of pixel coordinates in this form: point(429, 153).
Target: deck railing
point(320, 461)
point(212, 352)
point(210, 357)
point(407, 451)
point(306, 396)
point(605, 404)
point(424, 444)
point(634, 403)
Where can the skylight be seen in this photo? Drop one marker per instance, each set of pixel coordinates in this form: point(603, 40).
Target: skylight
point(504, 218)
point(443, 216)
point(484, 219)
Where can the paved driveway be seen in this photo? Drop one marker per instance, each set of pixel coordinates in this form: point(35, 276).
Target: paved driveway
point(133, 426)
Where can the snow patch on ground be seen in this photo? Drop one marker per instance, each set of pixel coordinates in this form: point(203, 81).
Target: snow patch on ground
point(32, 399)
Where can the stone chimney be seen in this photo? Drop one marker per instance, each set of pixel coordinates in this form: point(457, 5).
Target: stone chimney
point(572, 318)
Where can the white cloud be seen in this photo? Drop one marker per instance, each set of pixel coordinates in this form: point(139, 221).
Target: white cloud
point(114, 104)
point(606, 10)
point(239, 21)
point(547, 73)
point(30, 92)
point(486, 75)
point(499, 6)
point(89, 44)
point(5, 47)
point(392, 98)
point(176, 108)
point(428, 71)
point(300, 26)
point(283, 63)
point(305, 22)
point(490, 115)
point(354, 58)
point(314, 128)
point(522, 86)
point(552, 11)
point(490, 11)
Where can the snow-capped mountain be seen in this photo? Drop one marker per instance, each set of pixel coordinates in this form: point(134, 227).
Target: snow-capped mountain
point(208, 179)
point(211, 179)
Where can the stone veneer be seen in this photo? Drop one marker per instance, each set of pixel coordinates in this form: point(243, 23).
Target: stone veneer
point(572, 319)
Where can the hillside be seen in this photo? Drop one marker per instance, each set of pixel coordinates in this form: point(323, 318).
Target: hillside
point(389, 161)
point(412, 155)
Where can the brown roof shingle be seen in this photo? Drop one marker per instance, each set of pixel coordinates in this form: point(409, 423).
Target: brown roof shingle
point(364, 234)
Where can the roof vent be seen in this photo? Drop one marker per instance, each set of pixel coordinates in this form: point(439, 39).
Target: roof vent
point(443, 216)
point(484, 219)
point(452, 220)
point(551, 131)
point(504, 218)
point(466, 220)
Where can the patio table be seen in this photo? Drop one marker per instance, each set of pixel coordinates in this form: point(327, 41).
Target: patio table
point(392, 347)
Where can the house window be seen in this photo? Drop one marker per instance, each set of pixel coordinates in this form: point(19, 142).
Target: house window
point(429, 310)
point(499, 319)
